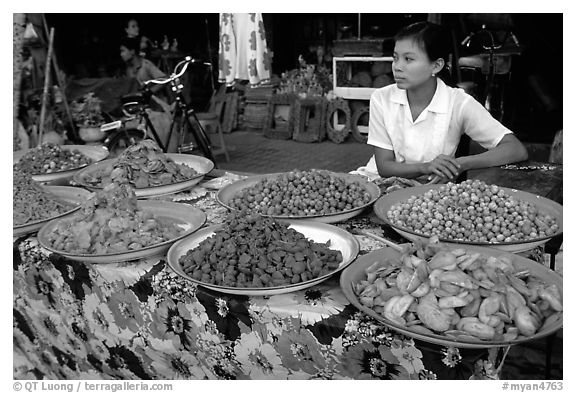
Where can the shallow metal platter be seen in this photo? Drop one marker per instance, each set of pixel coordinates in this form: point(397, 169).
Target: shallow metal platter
point(95, 153)
point(200, 164)
point(187, 217)
point(315, 231)
point(357, 272)
point(75, 196)
point(544, 205)
point(225, 195)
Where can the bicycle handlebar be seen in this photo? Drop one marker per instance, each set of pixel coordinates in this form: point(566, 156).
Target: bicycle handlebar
point(175, 75)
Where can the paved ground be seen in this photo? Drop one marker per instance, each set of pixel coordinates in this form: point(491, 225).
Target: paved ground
point(251, 151)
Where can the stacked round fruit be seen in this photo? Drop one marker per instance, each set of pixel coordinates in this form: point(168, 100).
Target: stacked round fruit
point(472, 211)
point(302, 193)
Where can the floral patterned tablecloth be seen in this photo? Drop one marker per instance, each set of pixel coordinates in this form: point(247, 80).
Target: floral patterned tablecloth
point(139, 320)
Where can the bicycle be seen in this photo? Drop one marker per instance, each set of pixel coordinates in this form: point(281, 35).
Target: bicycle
point(494, 61)
point(184, 123)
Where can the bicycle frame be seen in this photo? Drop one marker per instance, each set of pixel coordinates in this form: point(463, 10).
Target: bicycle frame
point(180, 117)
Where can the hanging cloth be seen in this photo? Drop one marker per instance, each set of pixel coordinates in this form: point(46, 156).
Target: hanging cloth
point(242, 50)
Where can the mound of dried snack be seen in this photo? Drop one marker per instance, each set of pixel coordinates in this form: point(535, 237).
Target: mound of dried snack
point(31, 202)
point(253, 251)
point(459, 294)
point(50, 158)
point(142, 165)
point(111, 222)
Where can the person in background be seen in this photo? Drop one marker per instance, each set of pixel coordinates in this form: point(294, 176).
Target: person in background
point(136, 66)
point(416, 124)
point(132, 30)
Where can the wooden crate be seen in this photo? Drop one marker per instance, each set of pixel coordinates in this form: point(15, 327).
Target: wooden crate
point(280, 127)
point(309, 119)
point(255, 115)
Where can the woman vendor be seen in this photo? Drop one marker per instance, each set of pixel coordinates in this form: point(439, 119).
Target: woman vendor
point(416, 124)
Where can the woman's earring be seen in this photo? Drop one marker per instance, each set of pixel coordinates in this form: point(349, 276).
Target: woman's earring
point(433, 74)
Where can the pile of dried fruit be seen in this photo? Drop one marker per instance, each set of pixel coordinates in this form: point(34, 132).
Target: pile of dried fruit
point(459, 294)
point(301, 193)
point(50, 158)
point(111, 222)
point(252, 251)
point(472, 211)
point(142, 165)
point(31, 202)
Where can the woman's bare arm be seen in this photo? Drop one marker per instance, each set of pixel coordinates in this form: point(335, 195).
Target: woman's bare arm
point(508, 150)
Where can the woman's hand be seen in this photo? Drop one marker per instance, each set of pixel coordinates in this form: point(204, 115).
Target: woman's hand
point(444, 166)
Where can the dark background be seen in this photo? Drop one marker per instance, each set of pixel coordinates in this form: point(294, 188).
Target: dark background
point(87, 45)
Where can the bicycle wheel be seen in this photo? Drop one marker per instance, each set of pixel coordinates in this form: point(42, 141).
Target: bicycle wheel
point(120, 140)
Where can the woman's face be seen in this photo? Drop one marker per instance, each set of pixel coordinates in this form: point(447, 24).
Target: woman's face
point(132, 29)
point(411, 66)
point(126, 54)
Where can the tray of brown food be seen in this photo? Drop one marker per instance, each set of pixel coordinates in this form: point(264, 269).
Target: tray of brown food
point(114, 226)
point(149, 170)
point(260, 256)
point(474, 213)
point(33, 205)
point(49, 162)
point(318, 195)
point(457, 295)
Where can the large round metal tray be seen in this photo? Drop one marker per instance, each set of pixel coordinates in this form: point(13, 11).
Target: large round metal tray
point(383, 205)
point(357, 272)
point(95, 153)
point(183, 215)
point(225, 195)
point(315, 231)
point(201, 165)
point(72, 195)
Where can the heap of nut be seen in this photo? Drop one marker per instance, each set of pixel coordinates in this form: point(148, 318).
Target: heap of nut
point(302, 193)
point(472, 211)
point(458, 294)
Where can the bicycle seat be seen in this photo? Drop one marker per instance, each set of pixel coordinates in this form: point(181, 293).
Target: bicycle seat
point(133, 98)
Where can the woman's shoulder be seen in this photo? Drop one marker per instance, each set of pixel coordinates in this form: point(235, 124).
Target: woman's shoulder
point(385, 92)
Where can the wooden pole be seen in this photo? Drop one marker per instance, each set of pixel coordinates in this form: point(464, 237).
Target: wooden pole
point(46, 87)
point(19, 21)
point(62, 85)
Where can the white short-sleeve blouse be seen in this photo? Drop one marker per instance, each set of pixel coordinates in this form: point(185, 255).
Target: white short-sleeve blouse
point(437, 130)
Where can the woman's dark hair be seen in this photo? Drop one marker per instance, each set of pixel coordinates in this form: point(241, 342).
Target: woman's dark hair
point(130, 43)
point(434, 40)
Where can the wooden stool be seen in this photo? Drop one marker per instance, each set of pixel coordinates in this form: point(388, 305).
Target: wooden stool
point(211, 122)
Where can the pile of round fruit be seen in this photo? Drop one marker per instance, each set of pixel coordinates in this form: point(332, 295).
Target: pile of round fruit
point(472, 211)
point(302, 193)
point(50, 158)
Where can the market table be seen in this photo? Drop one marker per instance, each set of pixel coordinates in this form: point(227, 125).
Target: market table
point(139, 320)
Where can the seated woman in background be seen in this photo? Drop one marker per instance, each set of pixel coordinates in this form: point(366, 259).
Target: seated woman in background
point(132, 30)
point(136, 66)
point(416, 124)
